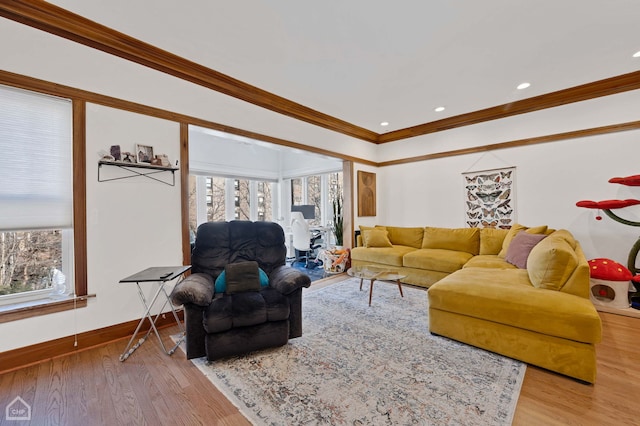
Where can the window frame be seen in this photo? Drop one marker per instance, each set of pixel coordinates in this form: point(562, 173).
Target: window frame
point(44, 306)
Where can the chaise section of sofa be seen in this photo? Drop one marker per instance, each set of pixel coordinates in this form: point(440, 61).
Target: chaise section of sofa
point(540, 315)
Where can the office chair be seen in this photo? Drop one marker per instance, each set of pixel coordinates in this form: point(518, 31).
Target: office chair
point(304, 241)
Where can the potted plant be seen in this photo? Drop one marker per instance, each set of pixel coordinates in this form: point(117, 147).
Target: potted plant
point(338, 220)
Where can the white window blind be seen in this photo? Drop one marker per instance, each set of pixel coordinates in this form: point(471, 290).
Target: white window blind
point(36, 190)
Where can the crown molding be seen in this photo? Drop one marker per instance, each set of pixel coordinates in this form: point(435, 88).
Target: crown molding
point(596, 89)
point(555, 137)
point(56, 20)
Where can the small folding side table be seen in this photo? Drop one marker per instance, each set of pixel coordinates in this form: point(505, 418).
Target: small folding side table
point(159, 275)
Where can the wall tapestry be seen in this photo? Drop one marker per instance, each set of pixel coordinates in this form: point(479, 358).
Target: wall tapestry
point(366, 193)
point(489, 198)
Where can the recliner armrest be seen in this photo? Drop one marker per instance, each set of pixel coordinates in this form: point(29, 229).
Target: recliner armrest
point(286, 279)
point(196, 288)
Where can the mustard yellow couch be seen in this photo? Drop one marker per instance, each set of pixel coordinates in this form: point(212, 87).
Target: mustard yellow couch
point(540, 315)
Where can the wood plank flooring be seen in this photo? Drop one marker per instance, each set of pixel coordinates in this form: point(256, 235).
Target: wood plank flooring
point(93, 388)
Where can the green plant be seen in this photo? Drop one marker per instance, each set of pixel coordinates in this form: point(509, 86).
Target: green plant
point(338, 220)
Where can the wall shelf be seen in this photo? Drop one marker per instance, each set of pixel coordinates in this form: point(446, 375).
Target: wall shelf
point(137, 169)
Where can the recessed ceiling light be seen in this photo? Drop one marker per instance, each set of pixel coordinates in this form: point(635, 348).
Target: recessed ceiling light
point(439, 109)
point(637, 54)
point(523, 85)
point(384, 123)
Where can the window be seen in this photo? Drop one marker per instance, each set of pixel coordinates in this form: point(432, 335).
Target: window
point(314, 197)
point(320, 191)
point(297, 195)
point(264, 201)
point(242, 199)
point(210, 197)
point(36, 195)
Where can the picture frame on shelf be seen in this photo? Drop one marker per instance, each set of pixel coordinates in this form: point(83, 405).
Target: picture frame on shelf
point(144, 153)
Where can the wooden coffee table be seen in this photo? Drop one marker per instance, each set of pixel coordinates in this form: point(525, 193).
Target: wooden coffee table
point(373, 273)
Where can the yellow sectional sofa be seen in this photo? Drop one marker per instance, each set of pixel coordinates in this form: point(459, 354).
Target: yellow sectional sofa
point(481, 293)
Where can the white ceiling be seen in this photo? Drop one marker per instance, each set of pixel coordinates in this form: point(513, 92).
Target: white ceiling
point(368, 61)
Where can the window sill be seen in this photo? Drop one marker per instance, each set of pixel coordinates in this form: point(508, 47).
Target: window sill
point(18, 311)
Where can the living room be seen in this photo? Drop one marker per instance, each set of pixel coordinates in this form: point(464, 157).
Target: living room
point(561, 154)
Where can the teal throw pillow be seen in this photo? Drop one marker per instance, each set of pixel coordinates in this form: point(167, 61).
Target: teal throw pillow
point(221, 281)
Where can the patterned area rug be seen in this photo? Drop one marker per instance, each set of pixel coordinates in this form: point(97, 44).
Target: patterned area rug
point(369, 365)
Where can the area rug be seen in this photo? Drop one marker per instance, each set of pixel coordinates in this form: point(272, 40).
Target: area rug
point(369, 365)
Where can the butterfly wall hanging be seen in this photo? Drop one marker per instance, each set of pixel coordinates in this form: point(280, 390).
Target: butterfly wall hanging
point(489, 198)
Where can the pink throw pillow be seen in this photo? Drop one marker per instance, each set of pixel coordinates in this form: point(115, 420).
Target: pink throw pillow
point(520, 247)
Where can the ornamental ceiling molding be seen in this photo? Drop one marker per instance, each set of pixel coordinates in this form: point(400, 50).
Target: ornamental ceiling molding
point(61, 22)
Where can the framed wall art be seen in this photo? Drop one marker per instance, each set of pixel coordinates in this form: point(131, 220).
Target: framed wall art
point(144, 153)
point(366, 193)
point(490, 198)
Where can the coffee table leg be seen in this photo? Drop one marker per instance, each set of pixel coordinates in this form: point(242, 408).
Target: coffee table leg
point(371, 291)
point(400, 288)
point(361, 283)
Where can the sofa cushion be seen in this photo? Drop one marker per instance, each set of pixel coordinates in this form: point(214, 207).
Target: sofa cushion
point(520, 247)
point(384, 255)
point(565, 235)
point(376, 238)
point(491, 240)
point(509, 298)
point(551, 262)
point(458, 239)
point(488, 261)
point(436, 259)
point(514, 231)
point(411, 237)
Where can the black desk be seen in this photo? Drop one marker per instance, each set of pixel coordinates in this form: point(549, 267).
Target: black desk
point(159, 275)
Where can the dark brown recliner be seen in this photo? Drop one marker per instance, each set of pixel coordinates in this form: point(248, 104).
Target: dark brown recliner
point(224, 324)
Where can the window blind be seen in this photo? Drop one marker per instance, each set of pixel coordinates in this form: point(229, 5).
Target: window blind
point(36, 190)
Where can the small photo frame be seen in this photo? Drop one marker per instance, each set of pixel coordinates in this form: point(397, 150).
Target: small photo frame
point(144, 153)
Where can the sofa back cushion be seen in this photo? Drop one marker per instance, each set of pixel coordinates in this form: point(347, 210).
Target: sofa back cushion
point(552, 262)
point(402, 236)
point(491, 240)
point(457, 239)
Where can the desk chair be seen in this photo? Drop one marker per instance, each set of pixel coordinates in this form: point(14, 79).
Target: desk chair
point(304, 242)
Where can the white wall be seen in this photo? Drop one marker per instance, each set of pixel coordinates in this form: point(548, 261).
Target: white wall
point(550, 179)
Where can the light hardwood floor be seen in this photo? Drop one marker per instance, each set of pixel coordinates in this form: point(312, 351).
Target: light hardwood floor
point(94, 388)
